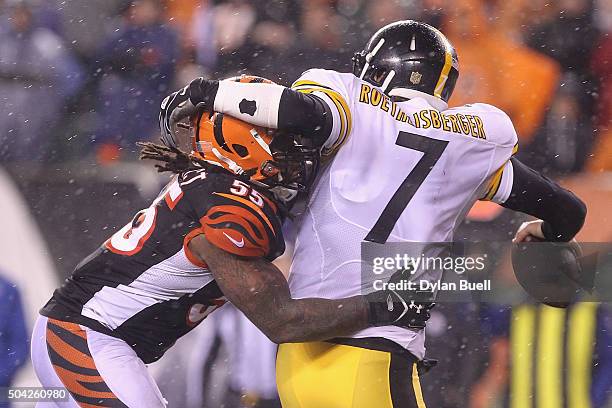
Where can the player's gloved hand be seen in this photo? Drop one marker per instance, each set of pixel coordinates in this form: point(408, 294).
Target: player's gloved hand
point(400, 308)
point(199, 94)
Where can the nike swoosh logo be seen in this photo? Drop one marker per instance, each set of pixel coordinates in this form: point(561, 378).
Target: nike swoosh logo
point(239, 244)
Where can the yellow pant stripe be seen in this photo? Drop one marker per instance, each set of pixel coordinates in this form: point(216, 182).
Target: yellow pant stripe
point(416, 385)
point(522, 338)
point(550, 357)
point(580, 354)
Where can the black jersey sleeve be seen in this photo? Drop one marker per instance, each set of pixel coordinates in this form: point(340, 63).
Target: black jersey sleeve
point(234, 216)
point(305, 114)
point(309, 109)
point(563, 213)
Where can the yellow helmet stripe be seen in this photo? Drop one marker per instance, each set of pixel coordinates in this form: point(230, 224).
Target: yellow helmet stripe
point(448, 63)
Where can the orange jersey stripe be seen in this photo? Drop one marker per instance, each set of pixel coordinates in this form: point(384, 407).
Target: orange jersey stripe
point(252, 241)
point(251, 205)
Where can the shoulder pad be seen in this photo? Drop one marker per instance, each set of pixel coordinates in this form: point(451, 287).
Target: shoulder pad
point(243, 222)
point(497, 123)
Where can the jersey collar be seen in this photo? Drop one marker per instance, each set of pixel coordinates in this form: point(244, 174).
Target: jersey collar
point(436, 102)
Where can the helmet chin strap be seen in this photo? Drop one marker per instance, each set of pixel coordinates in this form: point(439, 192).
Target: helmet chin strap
point(406, 93)
point(284, 194)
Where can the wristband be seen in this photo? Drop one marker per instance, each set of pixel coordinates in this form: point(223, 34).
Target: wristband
point(255, 103)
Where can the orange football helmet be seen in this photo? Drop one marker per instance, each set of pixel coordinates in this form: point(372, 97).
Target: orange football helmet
point(280, 163)
point(233, 144)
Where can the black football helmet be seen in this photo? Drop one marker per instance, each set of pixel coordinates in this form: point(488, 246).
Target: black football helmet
point(408, 58)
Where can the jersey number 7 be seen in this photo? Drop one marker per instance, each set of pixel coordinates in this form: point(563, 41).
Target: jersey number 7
point(432, 149)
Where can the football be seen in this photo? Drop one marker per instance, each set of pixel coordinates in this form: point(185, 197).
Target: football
point(550, 272)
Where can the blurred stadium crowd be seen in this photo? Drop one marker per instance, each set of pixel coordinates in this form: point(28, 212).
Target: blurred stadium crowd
point(86, 77)
point(82, 80)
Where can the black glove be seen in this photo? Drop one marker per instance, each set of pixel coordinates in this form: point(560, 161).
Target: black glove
point(400, 308)
point(198, 95)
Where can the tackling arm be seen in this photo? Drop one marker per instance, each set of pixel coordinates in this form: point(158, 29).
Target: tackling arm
point(268, 105)
point(562, 212)
point(260, 291)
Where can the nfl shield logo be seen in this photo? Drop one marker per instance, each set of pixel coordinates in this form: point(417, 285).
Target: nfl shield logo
point(415, 78)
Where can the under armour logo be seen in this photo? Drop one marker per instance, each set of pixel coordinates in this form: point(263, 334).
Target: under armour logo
point(248, 107)
point(415, 306)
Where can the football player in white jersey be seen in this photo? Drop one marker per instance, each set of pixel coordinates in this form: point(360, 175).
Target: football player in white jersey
point(402, 167)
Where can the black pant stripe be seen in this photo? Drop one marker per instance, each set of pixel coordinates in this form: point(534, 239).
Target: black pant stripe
point(400, 381)
point(60, 361)
point(72, 339)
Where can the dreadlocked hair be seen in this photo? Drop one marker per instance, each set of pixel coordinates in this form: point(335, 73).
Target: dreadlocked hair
point(172, 159)
point(177, 161)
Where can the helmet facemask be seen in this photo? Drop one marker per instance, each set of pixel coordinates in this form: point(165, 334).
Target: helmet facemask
point(278, 162)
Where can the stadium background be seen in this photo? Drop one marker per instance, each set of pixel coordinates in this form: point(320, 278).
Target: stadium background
point(81, 81)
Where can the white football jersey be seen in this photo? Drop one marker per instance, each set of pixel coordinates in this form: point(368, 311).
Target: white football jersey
point(396, 172)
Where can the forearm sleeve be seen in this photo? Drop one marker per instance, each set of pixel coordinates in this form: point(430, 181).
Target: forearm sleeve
point(267, 105)
point(305, 114)
point(562, 212)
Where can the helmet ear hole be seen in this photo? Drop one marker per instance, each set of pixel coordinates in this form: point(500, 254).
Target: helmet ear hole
point(378, 75)
point(240, 150)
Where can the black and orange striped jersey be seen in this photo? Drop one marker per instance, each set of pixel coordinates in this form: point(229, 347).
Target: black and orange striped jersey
point(143, 284)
